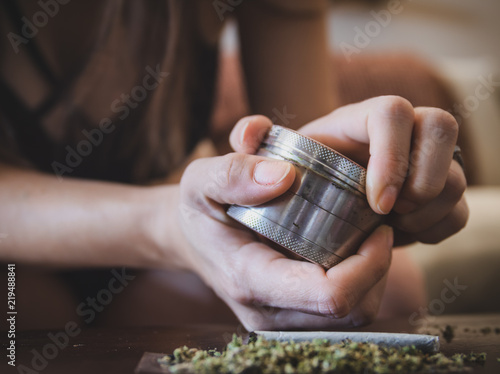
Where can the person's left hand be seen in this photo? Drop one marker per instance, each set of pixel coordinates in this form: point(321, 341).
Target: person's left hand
point(408, 154)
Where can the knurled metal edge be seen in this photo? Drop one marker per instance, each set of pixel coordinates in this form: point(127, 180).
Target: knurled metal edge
point(319, 152)
point(283, 237)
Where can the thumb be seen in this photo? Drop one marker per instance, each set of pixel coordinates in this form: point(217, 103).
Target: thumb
point(235, 179)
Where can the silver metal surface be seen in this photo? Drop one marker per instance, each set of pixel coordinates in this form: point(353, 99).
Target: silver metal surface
point(315, 156)
point(324, 217)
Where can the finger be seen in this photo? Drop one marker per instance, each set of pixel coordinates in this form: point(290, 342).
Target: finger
point(434, 138)
point(384, 125)
point(271, 318)
point(234, 179)
point(372, 261)
point(403, 238)
point(248, 133)
point(305, 287)
point(428, 215)
point(449, 225)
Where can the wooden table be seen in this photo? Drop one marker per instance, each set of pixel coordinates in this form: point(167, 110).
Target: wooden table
point(96, 351)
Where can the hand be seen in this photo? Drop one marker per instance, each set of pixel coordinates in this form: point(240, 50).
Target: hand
point(265, 289)
point(410, 171)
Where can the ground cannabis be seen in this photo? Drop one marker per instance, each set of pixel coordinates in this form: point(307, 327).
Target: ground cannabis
point(486, 330)
point(318, 356)
point(448, 333)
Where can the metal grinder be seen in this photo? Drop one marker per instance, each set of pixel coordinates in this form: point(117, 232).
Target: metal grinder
point(325, 216)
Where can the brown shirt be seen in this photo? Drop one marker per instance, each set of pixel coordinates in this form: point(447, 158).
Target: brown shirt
point(126, 93)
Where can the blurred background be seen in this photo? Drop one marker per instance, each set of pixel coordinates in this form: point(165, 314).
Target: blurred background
point(434, 53)
point(459, 41)
point(458, 38)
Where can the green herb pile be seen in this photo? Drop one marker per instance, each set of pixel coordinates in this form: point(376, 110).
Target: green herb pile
point(318, 356)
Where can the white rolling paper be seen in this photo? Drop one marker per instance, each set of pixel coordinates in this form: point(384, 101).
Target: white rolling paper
point(426, 343)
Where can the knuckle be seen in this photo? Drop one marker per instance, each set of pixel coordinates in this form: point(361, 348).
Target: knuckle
point(236, 287)
point(431, 239)
point(460, 218)
point(451, 224)
point(408, 226)
point(188, 193)
point(253, 321)
point(396, 107)
point(198, 188)
point(334, 303)
point(446, 123)
point(425, 189)
point(263, 318)
point(231, 169)
point(238, 292)
point(227, 168)
point(364, 316)
point(456, 184)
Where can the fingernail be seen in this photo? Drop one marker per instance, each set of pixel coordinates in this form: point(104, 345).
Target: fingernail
point(268, 173)
point(404, 206)
point(387, 199)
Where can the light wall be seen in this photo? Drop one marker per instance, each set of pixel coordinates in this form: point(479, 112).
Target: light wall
point(460, 38)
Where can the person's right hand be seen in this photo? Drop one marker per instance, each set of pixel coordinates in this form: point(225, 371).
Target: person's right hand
point(265, 289)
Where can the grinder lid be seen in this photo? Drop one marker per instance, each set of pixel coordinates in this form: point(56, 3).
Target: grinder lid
point(315, 156)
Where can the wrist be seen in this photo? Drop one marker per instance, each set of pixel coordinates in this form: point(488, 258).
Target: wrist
point(163, 242)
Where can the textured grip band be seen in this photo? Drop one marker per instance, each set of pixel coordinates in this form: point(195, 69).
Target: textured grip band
point(315, 155)
point(283, 237)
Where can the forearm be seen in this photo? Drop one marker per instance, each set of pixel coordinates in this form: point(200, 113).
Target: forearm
point(75, 222)
point(286, 60)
